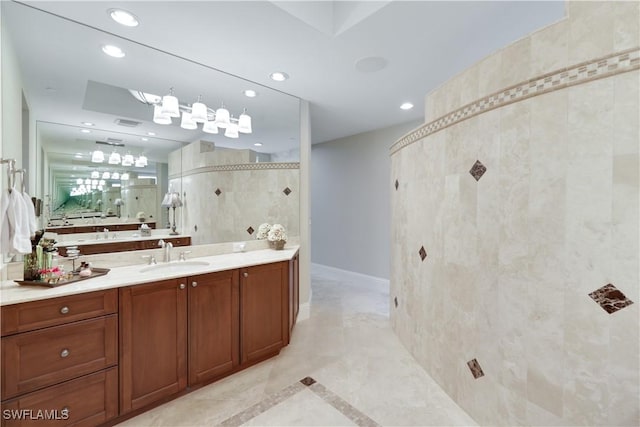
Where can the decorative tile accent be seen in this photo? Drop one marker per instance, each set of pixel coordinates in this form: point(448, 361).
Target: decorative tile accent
point(321, 391)
point(397, 184)
point(343, 406)
point(477, 170)
point(584, 72)
point(241, 167)
point(610, 298)
point(262, 406)
point(423, 253)
point(250, 230)
point(476, 370)
point(395, 301)
point(287, 191)
point(218, 192)
point(307, 381)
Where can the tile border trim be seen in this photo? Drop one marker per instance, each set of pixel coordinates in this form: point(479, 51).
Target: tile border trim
point(308, 383)
point(240, 167)
point(616, 63)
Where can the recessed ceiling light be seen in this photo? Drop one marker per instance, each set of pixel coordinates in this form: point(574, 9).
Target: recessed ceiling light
point(144, 139)
point(85, 131)
point(88, 124)
point(112, 50)
point(250, 93)
point(123, 17)
point(258, 144)
point(279, 76)
point(151, 133)
point(406, 106)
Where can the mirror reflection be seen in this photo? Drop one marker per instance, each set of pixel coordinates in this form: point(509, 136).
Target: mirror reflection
point(143, 136)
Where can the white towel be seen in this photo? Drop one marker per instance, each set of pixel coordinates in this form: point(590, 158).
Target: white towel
point(6, 246)
point(31, 215)
point(21, 240)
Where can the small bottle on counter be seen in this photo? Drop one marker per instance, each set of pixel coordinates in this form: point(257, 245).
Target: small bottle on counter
point(85, 269)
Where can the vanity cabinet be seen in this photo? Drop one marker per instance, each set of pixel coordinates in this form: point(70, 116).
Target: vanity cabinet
point(153, 342)
point(214, 325)
point(101, 248)
point(264, 310)
point(90, 228)
point(55, 351)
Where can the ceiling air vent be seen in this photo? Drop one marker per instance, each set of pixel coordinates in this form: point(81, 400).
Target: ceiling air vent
point(111, 141)
point(127, 123)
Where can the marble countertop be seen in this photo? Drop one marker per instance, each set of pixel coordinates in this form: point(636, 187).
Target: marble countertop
point(12, 293)
point(80, 239)
point(77, 222)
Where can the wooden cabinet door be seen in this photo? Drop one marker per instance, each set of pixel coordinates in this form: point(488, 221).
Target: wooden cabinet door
point(264, 310)
point(214, 325)
point(153, 342)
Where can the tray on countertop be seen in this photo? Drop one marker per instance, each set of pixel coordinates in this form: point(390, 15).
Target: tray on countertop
point(95, 272)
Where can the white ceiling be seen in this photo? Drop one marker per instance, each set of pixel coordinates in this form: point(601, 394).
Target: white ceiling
point(317, 43)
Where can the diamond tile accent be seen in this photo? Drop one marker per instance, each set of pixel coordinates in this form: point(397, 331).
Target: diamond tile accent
point(287, 191)
point(308, 381)
point(423, 253)
point(395, 301)
point(477, 170)
point(218, 192)
point(250, 230)
point(610, 298)
point(397, 184)
point(476, 370)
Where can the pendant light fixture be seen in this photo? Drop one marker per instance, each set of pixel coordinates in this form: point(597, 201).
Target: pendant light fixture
point(127, 160)
point(244, 122)
point(106, 175)
point(222, 117)
point(210, 127)
point(114, 158)
point(198, 111)
point(115, 175)
point(187, 122)
point(142, 160)
point(231, 131)
point(95, 175)
point(97, 156)
point(170, 106)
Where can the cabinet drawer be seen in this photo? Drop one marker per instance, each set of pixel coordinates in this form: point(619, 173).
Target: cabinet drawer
point(56, 311)
point(88, 401)
point(37, 359)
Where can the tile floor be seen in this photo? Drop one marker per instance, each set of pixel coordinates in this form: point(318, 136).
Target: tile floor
point(363, 375)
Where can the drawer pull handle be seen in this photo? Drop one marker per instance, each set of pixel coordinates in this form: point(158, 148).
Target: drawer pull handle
point(194, 284)
point(245, 274)
point(182, 286)
point(64, 310)
point(64, 353)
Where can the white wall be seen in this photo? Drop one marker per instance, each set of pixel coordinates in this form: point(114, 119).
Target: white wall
point(350, 189)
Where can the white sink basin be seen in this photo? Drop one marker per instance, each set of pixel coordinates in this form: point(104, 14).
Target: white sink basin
point(174, 267)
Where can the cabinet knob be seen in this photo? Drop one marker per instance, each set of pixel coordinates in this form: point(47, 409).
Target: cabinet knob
point(64, 310)
point(194, 284)
point(182, 286)
point(245, 274)
point(64, 353)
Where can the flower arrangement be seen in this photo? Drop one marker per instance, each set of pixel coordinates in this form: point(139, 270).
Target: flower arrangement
point(141, 216)
point(263, 231)
point(277, 233)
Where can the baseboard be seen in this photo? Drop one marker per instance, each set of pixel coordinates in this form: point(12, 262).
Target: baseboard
point(304, 312)
point(326, 270)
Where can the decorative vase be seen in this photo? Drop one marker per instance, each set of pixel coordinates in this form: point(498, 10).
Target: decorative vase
point(31, 270)
point(278, 245)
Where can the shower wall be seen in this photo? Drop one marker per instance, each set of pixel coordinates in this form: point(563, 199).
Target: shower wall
point(515, 212)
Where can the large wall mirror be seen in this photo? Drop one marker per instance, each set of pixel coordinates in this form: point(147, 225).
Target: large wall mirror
point(82, 101)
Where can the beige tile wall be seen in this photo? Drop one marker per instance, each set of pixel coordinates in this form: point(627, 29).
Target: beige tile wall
point(512, 257)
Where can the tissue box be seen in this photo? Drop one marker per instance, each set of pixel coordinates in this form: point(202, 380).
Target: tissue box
point(145, 231)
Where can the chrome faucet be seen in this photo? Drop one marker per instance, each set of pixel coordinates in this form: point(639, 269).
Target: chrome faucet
point(167, 246)
point(106, 233)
